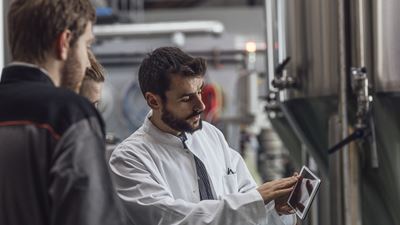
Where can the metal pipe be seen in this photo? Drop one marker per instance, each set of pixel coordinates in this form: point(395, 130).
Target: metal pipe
point(270, 25)
point(213, 27)
point(346, 191)
point(281, 9)
point(352, 180)
point(361, 32)
point(335, 198)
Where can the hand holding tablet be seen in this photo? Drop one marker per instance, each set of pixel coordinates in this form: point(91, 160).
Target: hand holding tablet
point(303, 193)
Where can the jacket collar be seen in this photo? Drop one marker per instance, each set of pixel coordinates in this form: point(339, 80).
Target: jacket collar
point(164, 137)
point(18, 72)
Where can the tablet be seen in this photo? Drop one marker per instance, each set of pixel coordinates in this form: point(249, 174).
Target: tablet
point(303, 193)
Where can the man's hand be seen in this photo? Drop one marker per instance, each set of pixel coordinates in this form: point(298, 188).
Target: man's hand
point(281, 205)
point(278, 188)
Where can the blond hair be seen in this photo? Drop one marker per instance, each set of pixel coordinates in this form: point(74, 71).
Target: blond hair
point(95, 72)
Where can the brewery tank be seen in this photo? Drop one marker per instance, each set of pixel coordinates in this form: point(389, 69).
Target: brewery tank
point(325, 40)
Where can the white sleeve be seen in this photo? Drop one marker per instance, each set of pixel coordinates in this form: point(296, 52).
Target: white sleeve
point(147, 201)
point(247, 183)
point(274, 218)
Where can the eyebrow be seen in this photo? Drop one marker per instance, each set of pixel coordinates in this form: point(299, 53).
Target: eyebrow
point(191, 94)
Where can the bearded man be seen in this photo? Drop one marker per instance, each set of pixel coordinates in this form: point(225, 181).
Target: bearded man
point(178, 169)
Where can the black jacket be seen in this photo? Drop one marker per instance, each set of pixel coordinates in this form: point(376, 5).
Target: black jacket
point(52, 166)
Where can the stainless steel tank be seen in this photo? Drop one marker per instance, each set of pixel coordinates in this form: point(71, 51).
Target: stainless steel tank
point(324, 39)
point(381, 185)
point(307, 32)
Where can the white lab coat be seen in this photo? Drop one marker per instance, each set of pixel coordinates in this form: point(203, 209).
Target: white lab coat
point(156, 179)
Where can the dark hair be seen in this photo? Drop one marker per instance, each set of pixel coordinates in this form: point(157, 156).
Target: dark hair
point(158, 66)
point(34, 25)
point(95, 72)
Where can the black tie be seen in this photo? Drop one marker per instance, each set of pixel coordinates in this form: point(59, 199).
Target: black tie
point(202, 176)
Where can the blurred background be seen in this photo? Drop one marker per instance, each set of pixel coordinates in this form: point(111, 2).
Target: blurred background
point(289, 82)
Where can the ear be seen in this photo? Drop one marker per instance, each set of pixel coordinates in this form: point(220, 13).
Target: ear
point(62, 44)
point(153, 100)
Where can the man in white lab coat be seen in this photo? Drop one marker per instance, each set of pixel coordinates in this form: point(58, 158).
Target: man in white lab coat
point(177, 169)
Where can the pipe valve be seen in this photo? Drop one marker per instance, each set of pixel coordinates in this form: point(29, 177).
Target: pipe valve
point(360, 89)
point(282, 80)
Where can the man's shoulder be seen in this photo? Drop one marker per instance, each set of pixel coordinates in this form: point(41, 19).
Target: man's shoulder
point(137, 145)
point(66, 106)
point(73, 104)
point(136, 141)
point(45, 104)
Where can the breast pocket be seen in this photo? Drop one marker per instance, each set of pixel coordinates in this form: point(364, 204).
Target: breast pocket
point(230, 183)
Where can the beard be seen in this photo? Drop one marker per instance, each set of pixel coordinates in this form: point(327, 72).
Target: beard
point(71, 73)
point(179, 124)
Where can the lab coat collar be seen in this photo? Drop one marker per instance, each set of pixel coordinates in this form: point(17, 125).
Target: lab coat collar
point(163, 137)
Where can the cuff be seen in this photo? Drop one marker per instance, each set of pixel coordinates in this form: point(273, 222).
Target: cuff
point(274, 218)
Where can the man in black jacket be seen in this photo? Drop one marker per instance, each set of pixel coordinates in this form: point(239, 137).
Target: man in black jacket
point(52, 166)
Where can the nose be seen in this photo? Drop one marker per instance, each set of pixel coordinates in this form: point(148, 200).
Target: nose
point(200, 106)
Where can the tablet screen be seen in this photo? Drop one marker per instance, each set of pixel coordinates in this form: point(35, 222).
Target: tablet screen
point(301, 197)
